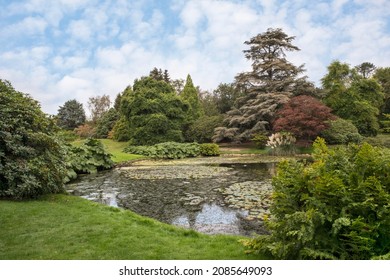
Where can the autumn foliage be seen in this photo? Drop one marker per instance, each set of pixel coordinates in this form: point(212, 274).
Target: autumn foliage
point(304, 116)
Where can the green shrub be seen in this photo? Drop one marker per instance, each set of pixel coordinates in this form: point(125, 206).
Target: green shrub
point(90, 157)
point(381, 140)
point(173, 150)
point(341, 131)
point(209, 150)
point(334, 208)
point(385, 123)
point(166, 150)
point(260, 140)
point(67, 135)
point(31, 159)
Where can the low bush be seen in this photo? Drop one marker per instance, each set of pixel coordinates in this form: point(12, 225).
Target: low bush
point(174, 150)
point(334, 208)
point(90, 157)
point(67, 135)
point(260, 140)
point(209, 150)
point(341, 131)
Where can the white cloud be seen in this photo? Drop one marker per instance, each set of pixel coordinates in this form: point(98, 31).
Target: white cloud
point(99, 47)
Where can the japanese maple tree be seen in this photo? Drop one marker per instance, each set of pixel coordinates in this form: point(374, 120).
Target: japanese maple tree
point(304, 116)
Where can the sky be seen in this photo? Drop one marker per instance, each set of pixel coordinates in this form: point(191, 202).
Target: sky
point(74, 49)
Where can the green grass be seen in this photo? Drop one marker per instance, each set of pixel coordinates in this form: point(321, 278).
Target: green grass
point(116, 149)
point(68, 227)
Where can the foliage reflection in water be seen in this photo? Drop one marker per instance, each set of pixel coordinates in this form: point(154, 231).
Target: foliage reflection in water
point(213, 199)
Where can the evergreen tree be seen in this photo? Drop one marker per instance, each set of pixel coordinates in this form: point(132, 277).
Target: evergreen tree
point(71, 115)
point(190, 95)
point(150, 113)
point(270, 84)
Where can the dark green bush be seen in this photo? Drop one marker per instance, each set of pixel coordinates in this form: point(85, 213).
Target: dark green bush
point(337, 207)
point(260, 140)
point(341, 131)
point(90, 157)
point(67, 135)
point(31, 159)
point(167, 150)
point(209, 150)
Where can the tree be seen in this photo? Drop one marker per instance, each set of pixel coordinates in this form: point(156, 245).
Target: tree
point(190, 95)
point(98, 105)
point(226, 95)
point(304, 116)
point(151, 113)
point(106, 123)
point(366, 69)
point(71, 115)
point(159, 75)
point(382, 75)
point(31, 159)
point(266, 88)
point(353, 97)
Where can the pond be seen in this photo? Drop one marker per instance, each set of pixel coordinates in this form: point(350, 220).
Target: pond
point(224, 195)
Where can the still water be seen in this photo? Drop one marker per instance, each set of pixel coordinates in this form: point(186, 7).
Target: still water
point(221, 198)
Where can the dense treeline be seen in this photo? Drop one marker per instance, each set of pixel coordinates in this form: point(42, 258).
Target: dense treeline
point(274, 96)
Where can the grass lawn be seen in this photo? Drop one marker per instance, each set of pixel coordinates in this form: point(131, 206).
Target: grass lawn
point(114, 148)
point(68, 227)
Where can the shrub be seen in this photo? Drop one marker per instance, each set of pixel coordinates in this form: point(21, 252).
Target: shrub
point(90, 157)
point(67, 135)
point(334, 208)
point(85, 131)
point(341, 131)
point(31, 158)
point(282, 143)
point(209, 150)
point(260, 140)
point(174, 150)
point(167, 150)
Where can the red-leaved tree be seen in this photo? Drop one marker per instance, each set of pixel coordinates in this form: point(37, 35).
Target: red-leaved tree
point(304, 116)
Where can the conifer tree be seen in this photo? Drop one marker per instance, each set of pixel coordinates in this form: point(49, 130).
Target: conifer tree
point(270, 84)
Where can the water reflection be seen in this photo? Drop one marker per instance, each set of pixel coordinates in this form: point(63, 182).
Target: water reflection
point(194, 199)
point(212, 219)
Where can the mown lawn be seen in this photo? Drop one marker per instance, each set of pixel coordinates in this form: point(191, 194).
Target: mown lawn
point(68, 227)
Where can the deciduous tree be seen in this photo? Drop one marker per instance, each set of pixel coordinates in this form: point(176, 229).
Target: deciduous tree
point(304, 116)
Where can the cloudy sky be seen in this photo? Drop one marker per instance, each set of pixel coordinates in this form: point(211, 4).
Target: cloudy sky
point(65, 49)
